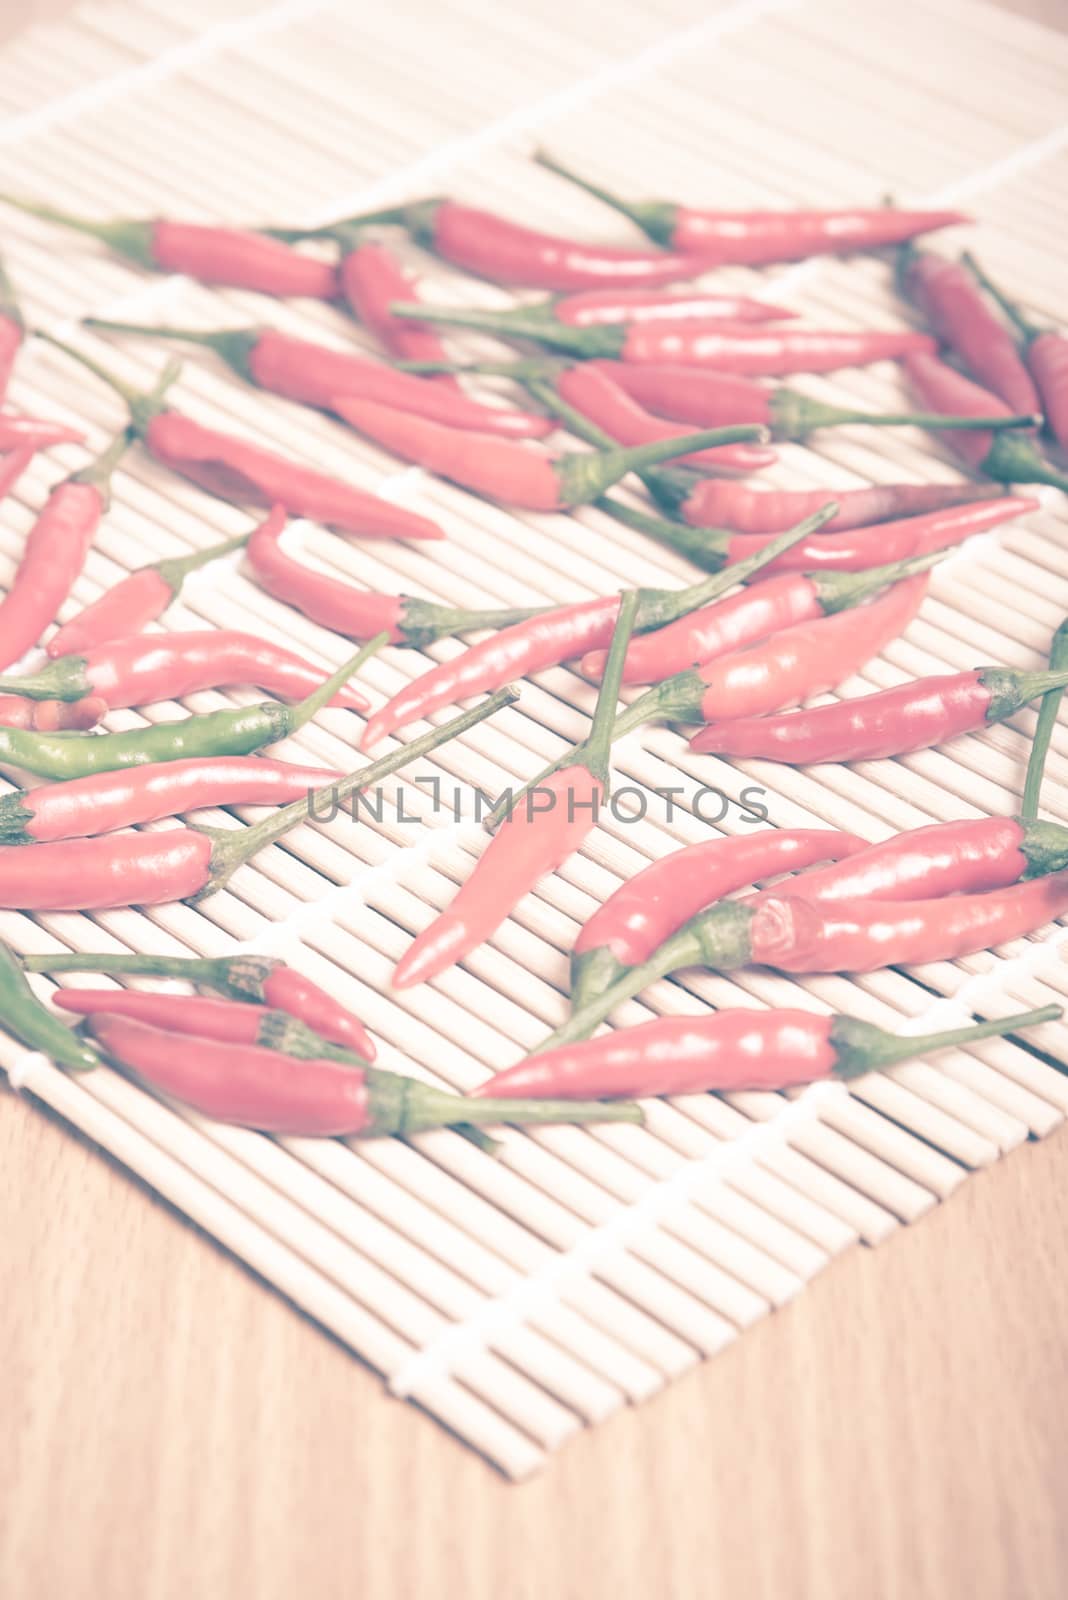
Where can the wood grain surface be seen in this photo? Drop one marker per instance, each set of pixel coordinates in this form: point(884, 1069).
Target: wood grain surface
point(171, 1426)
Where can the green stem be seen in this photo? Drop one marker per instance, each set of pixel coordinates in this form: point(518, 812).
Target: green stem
point(1011, 690)
point(175, 569)
point(585, 477)
point(98, 473)
point(705, 547)
point(232, 345)
point(1047, 716)
point(129, 237)
point(31, 1022)
point(389, 216)
point(405, 1106)
point(142, 406)
point(208, 970)
point(860, 1047)
point(423, 621)
point(607, 340)
point(657, 218)
point(1012, 459)
point(232, 847)
point(595, 750)
point(1027, 329)
point(299, 715)
point(795, 416)
point(840, 591)
point(10, 309)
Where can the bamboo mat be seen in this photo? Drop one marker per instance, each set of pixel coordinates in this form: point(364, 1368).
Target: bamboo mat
point(522, 1299)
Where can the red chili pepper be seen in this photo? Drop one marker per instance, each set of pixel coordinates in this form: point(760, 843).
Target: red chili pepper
point(757, 238)
point(50, 716)
point(106, 801)
point(753, 508)
point(371, 279)
point(182, 863)
point(953, 304)
point(1045, 351)
point(606, 403)
point(556, 636)
point(533, 840)
point(505, 252)
point(949, 863)
point(732, 1050)
point(647, 908)
point(711, 399)
point(740, 619)
point(166, 666)
point(751, 351)
point(16, 433)
point(235, 469)
point(798, 935)
point(1006, 457)
point(511, 471)
point(357, 612)
point(598, 306)
point(914, 716)
point(276, 1093)
point(12, 330)
point(132, 603)
point(230, 257)
point(224, 1021)
point(316, 375)
point(55, 553)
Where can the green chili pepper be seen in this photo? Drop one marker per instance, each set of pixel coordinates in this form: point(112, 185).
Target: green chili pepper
point(22, 1014)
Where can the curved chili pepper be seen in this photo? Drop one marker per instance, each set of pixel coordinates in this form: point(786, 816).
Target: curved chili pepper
point(106, 801)
point(707, 399)
point(131, 604)
point(1045, 352)
point(50, 716)
point(16, 433)
point(751, 351)
point(235, 469)
point(1047, 717)
point(595, 307)
point(229, 257)
point(166, 666)
point(1007, 457)
point(954, 863)
point(953, 304)
point(183, 863)
point(644, 910)
point(532, 841)
point(757, 238)
point(275, 1093)
point(55, 553)
point(797, 935)
point(732, 1050)
point(262, 979)
point(505, 252)
point(12, 329)
point(371, 279)
point(357, 612)
point(33, 1024)
point(591, 390)
point(556, 636)
point(914, 716)
point(752, 508)
point(512, 472)
point(224, 1021)
point(316, 375)
point(237, 732)
point(755, 613)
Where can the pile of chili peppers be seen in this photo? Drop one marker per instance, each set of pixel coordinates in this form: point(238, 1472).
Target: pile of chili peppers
point(666, 385)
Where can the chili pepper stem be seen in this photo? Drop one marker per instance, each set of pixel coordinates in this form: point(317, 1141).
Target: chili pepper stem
point(656, 218)
point(405, 1105)
point(795, 416)
point(705, 547)
point(860, 1047)
point(606, 340)
point(1047, 717)
point(142, 406)
point(98, 473)
point(597, 747)
point(585, 477)
point(130, 238)
point(1027, 329)
point(299, 715)
point(232, 847)
point(233, 345)
point(1011, 459)
point(10, 309)
point(175, 569)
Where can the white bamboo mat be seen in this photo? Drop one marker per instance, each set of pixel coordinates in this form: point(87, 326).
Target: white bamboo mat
point(521, 1299)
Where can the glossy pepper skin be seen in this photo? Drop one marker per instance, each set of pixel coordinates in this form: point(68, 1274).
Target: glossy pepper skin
point(228, 257)
point(371, 279)
point(595, 307)
point(276, 1093)
point(914, 716)
point(647, 908)
point(132, 603)
point(165, 666)
point(758, 238)
point(33, 1024)
point(511, 472)
point(953, 304)
point(316, 374)
point(748, 508)
point(50, 716)
point(55, 553)
point(1045, 352)
point(1010, 458)
point(731, 1050)
point(358, 613)
point(107, 801)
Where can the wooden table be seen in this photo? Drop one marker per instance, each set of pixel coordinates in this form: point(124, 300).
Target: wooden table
point(172, 1427)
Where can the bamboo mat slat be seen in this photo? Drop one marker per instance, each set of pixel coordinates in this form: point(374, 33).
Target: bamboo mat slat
point(521, 1299)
